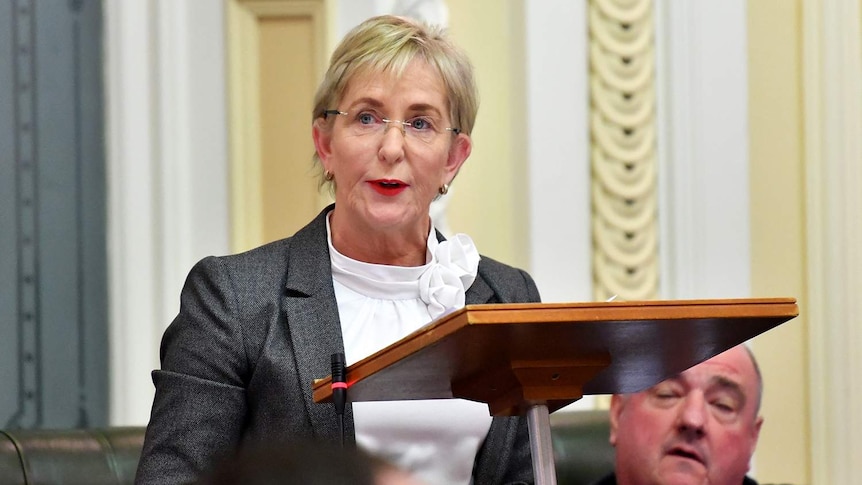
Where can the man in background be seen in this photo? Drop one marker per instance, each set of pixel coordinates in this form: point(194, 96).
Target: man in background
point(698, 427)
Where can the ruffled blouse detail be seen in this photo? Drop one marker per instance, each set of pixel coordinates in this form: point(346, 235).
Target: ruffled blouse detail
point(441, 283)
point(452, 270)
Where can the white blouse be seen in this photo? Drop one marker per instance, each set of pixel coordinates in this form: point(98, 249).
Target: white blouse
point(437, 440)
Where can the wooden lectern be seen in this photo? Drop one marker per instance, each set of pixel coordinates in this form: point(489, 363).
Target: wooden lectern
point(534, 358)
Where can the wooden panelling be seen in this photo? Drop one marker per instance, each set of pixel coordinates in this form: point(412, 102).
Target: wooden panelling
point(276, 58)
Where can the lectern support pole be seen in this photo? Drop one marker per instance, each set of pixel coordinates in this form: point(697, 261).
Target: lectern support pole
point(539, 422)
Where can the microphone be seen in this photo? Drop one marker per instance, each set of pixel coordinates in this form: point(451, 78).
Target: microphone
point(339, 390)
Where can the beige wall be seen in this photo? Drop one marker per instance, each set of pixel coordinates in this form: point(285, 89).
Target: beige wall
point(490, 193)
point(777, 232)
point(271, 89)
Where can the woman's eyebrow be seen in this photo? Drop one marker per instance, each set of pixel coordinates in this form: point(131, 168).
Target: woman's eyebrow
point(376, 103)
point(424, 108)
point(368, 101)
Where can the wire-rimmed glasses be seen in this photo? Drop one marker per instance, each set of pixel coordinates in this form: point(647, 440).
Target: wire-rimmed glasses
point(423, 128)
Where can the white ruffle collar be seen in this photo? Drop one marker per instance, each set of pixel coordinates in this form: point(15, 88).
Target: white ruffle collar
point(441, 283)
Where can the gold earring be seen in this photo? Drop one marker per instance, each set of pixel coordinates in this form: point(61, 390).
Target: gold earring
point(328, 176)
point(444, 189)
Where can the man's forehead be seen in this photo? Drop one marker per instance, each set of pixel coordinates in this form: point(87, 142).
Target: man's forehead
point(734, 365)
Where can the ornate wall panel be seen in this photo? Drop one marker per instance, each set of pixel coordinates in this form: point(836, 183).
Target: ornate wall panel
point(623, 158)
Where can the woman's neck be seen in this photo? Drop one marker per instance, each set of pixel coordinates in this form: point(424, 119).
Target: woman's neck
point(389, 246)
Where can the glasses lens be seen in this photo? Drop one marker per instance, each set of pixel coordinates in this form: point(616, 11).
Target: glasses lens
point(424, 129)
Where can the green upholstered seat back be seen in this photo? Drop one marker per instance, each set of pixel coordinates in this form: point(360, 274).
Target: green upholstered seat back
point(75, 456)
point(109, 456)
point(582, 452)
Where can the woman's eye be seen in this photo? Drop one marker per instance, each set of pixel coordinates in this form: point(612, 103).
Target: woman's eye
point(365, 118)
point(420, 124)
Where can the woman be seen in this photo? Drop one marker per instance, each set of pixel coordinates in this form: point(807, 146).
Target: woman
point(391, 128)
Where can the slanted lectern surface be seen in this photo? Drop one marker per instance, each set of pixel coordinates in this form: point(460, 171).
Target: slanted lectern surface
point(514, 355)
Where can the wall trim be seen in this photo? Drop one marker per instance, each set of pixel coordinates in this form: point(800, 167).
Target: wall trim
point(832, 79)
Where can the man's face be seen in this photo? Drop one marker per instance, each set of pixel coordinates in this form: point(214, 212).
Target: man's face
point(699, 427)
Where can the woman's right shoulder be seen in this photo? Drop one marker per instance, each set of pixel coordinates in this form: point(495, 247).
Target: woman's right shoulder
point(249, 271)
point(273, 256)
point(260, 255)
point(232, 298)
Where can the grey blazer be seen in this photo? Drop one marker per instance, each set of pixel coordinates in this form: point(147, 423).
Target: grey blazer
point(253, 331)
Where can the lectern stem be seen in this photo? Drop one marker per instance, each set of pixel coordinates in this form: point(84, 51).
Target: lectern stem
point(539, 423)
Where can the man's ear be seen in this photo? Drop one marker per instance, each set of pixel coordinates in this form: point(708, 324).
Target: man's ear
point(461, 148)
point(321, 133)
point(617, 404)
point(756, 432)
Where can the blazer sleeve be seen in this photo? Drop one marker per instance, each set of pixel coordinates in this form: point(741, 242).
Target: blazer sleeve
point(200, 404)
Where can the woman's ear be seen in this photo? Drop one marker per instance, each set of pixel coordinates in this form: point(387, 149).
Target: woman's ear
point(461, 147)
point(321, 133)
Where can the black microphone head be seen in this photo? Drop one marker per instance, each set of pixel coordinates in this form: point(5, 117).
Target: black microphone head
point(338, 365)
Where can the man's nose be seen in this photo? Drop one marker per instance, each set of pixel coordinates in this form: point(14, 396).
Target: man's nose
point(693, 414)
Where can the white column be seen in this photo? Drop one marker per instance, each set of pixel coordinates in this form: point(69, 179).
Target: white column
point(166, 169)
point(558, 149)
point(702, 79)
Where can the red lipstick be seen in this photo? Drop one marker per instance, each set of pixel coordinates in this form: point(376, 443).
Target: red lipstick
point(388, 187)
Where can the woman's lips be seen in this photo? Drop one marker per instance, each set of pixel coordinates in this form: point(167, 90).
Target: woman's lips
point(388, 187)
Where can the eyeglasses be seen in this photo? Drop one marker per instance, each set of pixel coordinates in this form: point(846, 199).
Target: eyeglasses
point(423, 128)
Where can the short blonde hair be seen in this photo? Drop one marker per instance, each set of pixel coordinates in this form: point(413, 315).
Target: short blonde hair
point(387, 44)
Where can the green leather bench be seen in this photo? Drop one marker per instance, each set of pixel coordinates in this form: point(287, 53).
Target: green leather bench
point(74, 456)
point(110, 456)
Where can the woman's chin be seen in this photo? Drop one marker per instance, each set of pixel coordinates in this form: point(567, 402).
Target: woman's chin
point(394, 216)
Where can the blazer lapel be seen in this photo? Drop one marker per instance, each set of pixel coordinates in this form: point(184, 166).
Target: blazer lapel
point(311, 313)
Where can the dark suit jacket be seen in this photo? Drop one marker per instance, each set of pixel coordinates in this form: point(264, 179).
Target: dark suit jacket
point(254, 330)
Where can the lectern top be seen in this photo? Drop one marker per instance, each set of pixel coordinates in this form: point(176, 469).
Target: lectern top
point(510, 355)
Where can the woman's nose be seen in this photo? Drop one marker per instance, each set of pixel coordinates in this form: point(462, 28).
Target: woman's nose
point(392, 142)
point(397, 124)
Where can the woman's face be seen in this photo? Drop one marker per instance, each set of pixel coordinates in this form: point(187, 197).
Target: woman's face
point(387, 173)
